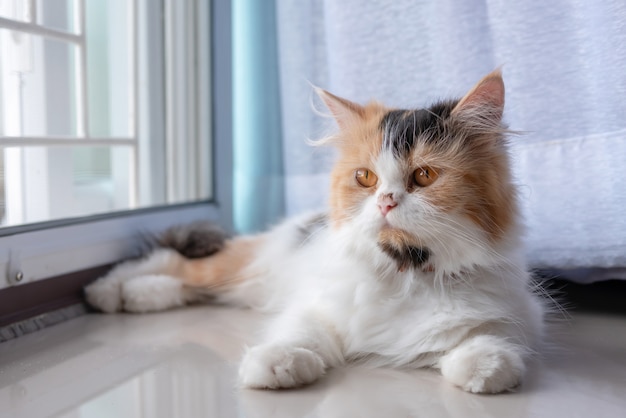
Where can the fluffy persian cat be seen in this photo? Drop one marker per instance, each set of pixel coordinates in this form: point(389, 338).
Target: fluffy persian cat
point(417, 263)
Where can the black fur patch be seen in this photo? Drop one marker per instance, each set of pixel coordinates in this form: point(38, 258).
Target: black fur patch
point(402, 127)
point(407, 256)
point(195, 240)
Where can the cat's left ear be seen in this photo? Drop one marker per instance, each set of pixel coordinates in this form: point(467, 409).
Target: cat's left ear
point(487, 94)
point(344, 111)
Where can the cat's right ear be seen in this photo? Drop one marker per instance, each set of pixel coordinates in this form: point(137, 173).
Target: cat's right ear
point(487, 94)
point(344, 111)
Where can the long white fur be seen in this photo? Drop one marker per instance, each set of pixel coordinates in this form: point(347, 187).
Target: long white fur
point(338, 297)
point(142, 286)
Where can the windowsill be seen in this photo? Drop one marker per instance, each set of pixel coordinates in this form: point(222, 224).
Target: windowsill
point(184, 363)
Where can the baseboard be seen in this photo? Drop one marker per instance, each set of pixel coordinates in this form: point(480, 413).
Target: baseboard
point(32, 300)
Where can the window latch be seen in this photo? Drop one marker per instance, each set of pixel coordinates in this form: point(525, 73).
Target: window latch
point(15, 273)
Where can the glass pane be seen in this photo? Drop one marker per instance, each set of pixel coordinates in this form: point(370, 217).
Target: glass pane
point(38, 86)
point(15, 10)
point(57, 14)
point(110, 68)
point(59, 182)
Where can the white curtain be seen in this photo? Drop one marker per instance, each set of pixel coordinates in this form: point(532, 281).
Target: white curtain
point(564, 64)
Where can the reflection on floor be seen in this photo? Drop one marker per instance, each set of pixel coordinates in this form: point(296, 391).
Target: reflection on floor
point(183, 364)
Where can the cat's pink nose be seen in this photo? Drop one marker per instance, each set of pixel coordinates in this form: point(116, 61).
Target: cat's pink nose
point(386, 203)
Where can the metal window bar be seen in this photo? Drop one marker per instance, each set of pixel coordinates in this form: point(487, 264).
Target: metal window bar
point(35, 29)
point(32, 7)
point(63, 141)
point(82, 117)
point(134, 105)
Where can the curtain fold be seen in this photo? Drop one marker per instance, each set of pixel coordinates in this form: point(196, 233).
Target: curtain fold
point(564, 64)
point(258, 198)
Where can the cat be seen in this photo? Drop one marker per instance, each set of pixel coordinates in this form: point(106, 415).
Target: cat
point(417, 263)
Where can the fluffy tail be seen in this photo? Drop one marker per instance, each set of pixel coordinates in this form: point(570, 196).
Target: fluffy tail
point(195, 240)
point(186, 264)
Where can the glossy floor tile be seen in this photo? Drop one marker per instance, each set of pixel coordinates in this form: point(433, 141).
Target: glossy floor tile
point(183, 364)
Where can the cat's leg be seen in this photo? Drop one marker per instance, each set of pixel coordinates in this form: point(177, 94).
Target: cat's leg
point(302, 347)
point(156, 292)
point(106, 292)
point(484, 364)
point(165, 279)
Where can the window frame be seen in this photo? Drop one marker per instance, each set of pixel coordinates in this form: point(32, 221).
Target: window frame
point(38, 251)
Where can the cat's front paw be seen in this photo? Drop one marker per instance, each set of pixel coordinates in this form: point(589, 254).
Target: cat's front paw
point(485, 364)
point(274, 366)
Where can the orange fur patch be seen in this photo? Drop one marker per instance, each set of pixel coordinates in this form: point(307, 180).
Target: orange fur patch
point(359, 145)
point(397, 238)
point(223, 269)
point(474, 181)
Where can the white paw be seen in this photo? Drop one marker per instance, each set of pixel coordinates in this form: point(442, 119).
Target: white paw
point(276, 366)
point(105, 294)
point(484, 365)
point(152, 293)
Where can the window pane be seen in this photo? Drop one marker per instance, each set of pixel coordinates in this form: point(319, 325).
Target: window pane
point(38, 85)
point(110, 68)
point(58, 182)
point(84, 119)
point(15, 10)
point(57, 14)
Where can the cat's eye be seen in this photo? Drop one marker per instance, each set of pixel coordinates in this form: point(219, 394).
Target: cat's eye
point(365, 177)
point(425, 176)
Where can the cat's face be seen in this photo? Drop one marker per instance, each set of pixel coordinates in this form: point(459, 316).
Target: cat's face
point(421, 182)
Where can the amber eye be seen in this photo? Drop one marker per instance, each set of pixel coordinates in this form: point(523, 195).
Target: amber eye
point(365, 177)
point(425, 176)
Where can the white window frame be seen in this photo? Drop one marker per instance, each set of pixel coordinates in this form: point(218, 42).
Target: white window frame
point(38, 251)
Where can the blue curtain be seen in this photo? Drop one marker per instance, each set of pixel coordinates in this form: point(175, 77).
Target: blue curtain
point(258, 198)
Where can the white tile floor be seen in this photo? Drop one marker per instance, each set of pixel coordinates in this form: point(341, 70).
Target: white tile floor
point(183, 364)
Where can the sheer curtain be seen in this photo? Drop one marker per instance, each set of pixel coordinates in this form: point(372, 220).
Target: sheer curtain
point(564, 64)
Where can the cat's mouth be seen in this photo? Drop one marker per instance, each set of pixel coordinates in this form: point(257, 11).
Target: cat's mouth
point(403, 248)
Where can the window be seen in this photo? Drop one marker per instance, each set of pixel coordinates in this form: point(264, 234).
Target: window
point(108, 126)
point(76, 82)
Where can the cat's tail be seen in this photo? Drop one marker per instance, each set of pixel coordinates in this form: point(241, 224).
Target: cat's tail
point(185, 264)
point(194, 240)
